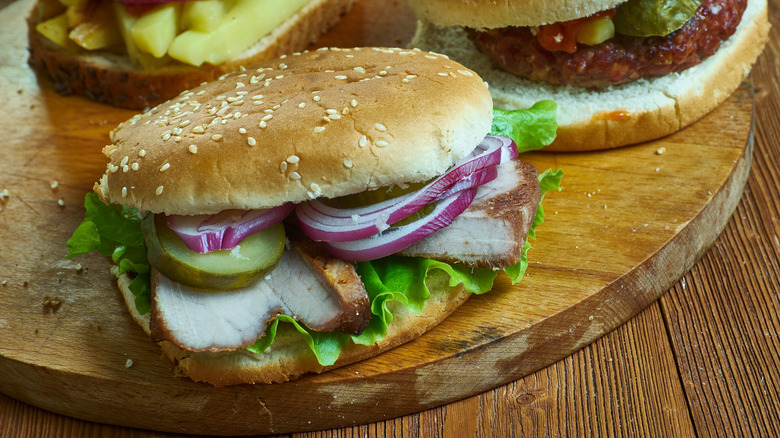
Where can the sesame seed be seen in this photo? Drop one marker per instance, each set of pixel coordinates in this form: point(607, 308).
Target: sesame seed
point(268, 111)
point(381, 143)
point(279, 77)
point(240, 85)
point(295, 176)
point(216, 137)
point(125, 168)
point(251, 141)
point(405, 80)
point(359, 69)
point(184, 124)
point(283, 166)
point(242, 93)
point(242, 130)
point(315, 188)
point(159, 191)
point(292, 159)
point(237, 115)
point(345, 111)
point(354, 103)
point(334, 116)
point(465, 73)
point(431, 57)
point(124, 160)
point(124, 192)
point(380, 127)
point(221, 97)
point(347, 163)
point(267, 117)
point(193, 149)
point(443, 74)
point(302, 105)
point(258, 102)
point(341, 77)
point(331, 111)
point(257, 97)
point(316, 98)
point(134, 166)
point(263, 124)
point(198, 129)
point(165, 167)
point(282, 66)
point(319, 128)
point(363, 141)
point(382, 73)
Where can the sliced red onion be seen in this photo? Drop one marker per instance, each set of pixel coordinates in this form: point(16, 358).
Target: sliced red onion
point(395, 239)
point(224, 230)
point(323, 223)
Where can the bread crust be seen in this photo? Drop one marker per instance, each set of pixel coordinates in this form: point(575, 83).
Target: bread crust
point(114, 79)
point(642, 110)
point(487, 14)
point(326, 123)
point(289, 357)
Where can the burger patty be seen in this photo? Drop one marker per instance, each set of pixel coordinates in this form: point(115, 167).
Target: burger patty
point(618, 60)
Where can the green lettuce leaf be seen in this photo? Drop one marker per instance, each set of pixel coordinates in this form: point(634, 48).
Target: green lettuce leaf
point(115, 232)
point(531, 129)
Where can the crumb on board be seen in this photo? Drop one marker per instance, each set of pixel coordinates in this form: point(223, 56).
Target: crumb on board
point(51, 303)
point(3, 195)
point(660, 151)
point(54, 184)
point(61, 202)
point(128, 363)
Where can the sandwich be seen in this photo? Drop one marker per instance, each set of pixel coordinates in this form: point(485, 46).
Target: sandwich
point(315, 210)
point(622, 72)
point(138, 53)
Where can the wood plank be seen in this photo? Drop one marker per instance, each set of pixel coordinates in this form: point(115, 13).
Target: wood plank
point(611, 267)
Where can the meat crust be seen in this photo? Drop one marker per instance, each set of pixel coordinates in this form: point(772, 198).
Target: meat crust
point(618, 60)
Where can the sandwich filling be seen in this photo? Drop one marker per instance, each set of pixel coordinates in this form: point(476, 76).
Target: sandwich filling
point(615, 46)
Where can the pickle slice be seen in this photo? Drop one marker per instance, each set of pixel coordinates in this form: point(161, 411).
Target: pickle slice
point(644, 18)
point(255, 256)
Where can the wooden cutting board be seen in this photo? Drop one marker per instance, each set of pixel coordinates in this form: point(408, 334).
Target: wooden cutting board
point(627, 226)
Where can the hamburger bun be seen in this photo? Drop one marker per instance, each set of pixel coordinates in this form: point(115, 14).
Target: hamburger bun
point(642, 110)
point(487, 14)
point(325, 123)
point(113, 78)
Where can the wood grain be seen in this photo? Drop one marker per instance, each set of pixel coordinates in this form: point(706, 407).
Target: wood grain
point(614, 402)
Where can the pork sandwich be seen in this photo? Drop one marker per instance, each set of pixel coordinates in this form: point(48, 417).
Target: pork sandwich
point(276, 221)
point(621, 71)
point(138, 53)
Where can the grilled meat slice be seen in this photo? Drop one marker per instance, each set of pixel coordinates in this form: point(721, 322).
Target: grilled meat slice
point(322, 292)
point(493, 230)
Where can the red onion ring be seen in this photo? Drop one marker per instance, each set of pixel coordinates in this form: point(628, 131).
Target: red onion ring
point(321, 222)
point(224, 230)
point(397, 238)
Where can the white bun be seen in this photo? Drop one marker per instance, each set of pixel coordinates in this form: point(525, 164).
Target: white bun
point(289, 356)
point(486, 14)
point(329, 123)
point(115, 79)
point(642, 110)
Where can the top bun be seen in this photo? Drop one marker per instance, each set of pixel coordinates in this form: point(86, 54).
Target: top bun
point(328, 123)
point(488, 14)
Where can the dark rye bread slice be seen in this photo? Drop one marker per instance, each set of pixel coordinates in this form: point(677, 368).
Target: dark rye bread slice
point(114, 79)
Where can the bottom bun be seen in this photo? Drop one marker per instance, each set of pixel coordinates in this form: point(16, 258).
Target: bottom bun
point(289, 357)
point(638, 111)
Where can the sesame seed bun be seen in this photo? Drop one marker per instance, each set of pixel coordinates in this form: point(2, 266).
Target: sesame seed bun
point(485, 14)
point(328, 123)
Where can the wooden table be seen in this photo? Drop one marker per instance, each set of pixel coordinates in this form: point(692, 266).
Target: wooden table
point(702, 360)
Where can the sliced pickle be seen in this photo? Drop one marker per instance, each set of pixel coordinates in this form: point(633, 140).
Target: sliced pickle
point(255, 256)
point(644, 18)
point(373, 196)
point(596, 31)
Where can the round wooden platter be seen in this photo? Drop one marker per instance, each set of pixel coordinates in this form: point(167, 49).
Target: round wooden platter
point(627, 225)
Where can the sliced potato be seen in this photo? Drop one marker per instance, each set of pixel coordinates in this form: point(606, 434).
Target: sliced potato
point(125, 21)
point(204, 15)
point(154, 31)
point(100, 32)
point(56, 30)
point(246, 23)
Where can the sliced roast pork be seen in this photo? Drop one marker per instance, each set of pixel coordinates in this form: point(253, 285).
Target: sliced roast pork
point(493, 230)
point(322, 292)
